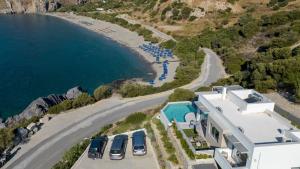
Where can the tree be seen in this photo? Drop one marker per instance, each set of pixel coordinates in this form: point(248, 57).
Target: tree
point(249, 26)
point(181, 95)
point(185, 12)
point(281, 53)
point(296, 51)
point(6, 137)
point(170, 44)
point(102, 92)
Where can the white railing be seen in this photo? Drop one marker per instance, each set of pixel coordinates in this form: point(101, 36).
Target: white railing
point(221, 160)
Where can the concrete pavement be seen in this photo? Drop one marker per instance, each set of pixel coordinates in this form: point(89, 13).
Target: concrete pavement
point(63, 131)
point(148, 161)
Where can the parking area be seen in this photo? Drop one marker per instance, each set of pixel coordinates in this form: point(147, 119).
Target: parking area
point(148, 161)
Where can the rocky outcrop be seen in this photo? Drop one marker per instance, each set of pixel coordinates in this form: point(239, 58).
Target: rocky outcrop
point(41, 105)
point(74, 92)
point(2, 125)
point(39, 6)
point(33, 6)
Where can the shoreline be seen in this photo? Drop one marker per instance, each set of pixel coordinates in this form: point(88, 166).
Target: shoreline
point(124, 37)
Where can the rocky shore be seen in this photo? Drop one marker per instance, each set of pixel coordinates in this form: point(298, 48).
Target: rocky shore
point(40, 106)
point(34, 6)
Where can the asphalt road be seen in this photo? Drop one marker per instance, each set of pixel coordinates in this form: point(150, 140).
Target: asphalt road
point(46, 153)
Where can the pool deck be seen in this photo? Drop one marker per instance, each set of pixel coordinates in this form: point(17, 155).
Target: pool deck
point(163, 117)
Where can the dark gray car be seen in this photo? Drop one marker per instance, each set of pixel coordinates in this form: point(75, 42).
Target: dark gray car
point(97, 147)
point(118, 147)
point(139, 143)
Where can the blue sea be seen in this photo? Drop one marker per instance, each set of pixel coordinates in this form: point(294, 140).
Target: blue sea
point(41, 55)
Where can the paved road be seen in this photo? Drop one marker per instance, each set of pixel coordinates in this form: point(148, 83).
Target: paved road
point(67, 129)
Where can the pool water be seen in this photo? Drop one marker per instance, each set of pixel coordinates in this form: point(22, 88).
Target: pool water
point(178, 111)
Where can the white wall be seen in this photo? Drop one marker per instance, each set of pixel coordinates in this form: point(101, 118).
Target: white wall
point(164, 120)
point(258, 107)
point(237, 98)
point(279, 156)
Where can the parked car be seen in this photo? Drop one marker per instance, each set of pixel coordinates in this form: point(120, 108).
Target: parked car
point(118, 147)
point(97, 147)
point(139, 143)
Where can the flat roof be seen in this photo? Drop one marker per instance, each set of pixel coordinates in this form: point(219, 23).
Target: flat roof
point(258, 127)
point(251, 96)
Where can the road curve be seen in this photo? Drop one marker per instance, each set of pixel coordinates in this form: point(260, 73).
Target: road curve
point(48, 145)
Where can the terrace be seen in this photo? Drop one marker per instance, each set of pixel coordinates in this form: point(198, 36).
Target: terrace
point(184, 116)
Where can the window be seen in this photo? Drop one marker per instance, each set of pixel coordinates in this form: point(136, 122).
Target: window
point(215, 133)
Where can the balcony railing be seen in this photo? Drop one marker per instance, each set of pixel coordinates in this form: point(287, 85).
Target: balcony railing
point(224, 159)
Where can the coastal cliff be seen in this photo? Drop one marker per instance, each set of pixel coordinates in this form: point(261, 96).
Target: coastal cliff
point(34, 6)
point(41, 105)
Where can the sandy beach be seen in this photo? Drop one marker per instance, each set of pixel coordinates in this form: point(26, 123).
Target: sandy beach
point(124, 37)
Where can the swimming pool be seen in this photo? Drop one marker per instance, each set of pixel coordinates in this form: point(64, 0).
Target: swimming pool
point(178, 111)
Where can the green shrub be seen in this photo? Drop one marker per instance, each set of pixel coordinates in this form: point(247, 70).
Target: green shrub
point(166, 141)
point(103, 130)
point(170, 44)
point(296, 51)
point(190, 132)
point(202, 156)
point(204, 88)
point(136, 118)
point(72, 155)
point(232, 1)
point(102, 92)
point(276, 4)
point(281, 53)
point(185, 12)
point(192, 18)
point(150, 132)
point(181, 95)
point(63, 106)
point(173, 159)
point(83, 100)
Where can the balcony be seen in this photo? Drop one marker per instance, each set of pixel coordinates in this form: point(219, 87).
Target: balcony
point(224, 158)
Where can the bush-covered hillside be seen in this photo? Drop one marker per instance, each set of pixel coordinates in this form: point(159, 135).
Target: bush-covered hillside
point(273, 64)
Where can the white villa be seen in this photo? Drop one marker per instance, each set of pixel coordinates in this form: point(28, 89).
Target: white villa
point(245, 132)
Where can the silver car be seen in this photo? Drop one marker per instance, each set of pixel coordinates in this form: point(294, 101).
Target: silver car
point(139, 143)
point(118, 147)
